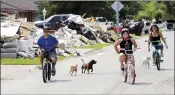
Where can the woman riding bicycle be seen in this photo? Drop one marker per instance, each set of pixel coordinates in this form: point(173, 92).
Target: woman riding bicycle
point(155, 35)
point(125, 42)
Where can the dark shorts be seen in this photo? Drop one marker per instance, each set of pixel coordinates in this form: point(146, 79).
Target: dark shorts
point(52, 55)
point(128, 52)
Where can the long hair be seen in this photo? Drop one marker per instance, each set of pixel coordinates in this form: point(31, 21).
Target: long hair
point(151, 29)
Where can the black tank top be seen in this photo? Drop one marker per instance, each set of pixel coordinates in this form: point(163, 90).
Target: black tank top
point(155, 39)
point(126, 44)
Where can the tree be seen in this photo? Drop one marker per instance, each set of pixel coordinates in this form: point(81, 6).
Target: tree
point(170, 9)
point(152, 10)
point(49, 7)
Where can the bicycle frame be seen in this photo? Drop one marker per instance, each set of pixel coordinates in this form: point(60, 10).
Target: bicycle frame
point(128, 62)
point(47, 66)
point(157, 50)
point(129, 69)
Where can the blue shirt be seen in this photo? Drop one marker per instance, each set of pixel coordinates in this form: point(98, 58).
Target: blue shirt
point(47, 44)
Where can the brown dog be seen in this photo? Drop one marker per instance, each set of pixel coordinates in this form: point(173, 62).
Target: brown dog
point(88, 66)
point(73, 69)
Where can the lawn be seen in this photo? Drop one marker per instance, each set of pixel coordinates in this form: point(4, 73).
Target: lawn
point(96, 46)
point(22, 61)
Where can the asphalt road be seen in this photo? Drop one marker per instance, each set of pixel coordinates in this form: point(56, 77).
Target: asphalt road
point(106, 78)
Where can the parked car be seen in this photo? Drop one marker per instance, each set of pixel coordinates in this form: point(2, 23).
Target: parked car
point(170, 24)
point(55, 21)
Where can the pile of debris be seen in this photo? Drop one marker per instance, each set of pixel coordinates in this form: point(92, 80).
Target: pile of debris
point(19, 36)
point(16, 40)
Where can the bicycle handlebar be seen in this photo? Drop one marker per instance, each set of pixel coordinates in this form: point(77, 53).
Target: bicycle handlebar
point(43, 49)
point(128, 50)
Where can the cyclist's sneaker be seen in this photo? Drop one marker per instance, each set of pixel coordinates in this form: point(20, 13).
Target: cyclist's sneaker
point(53, 71)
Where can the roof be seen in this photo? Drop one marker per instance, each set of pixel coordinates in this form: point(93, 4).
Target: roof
point(21, 5)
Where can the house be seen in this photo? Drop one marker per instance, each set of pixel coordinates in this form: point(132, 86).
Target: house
point(21, 8)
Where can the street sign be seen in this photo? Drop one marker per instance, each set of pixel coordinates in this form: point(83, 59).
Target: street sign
point(117, 6)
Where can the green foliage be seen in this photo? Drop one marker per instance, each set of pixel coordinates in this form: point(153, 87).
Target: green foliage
point(170, 9)
point(152, 10)
point(138, 9)
point(50, 7)
point(91, 8)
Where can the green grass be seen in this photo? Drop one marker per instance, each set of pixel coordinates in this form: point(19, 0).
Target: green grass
point(22, 61)
point(136, 37)
point(95, 46)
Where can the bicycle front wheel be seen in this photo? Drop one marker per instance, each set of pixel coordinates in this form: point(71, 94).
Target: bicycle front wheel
point(125, 75)
point(49, 72)
point(132, 74)
point(157, 61)
point(44, 73)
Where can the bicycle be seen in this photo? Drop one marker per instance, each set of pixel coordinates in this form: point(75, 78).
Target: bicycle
point(157, 55)
point(47, 65)
point(129, 70)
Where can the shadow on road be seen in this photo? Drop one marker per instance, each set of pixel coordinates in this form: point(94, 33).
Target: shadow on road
point(142, 83)
point(53, 81)
point(163, 69)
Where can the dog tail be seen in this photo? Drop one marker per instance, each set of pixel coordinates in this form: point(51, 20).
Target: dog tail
point(82, 60)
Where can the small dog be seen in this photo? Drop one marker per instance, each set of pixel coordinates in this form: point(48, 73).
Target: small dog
point(88, 66)
point(146, 62)
point(73, 68)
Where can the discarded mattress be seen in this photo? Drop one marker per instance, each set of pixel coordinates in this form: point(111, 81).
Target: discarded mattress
point(9, 50)
point(23, 49)
point(12, 44)
point(26, 43)
point(26, 49)
point(9, 30)
point(8, 39)
point(8, 55)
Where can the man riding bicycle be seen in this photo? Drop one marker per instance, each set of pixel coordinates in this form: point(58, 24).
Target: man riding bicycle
point(48, 43)
point(125, 42)
point(155, 35)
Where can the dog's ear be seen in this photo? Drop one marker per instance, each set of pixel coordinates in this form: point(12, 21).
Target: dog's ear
point(94, 61)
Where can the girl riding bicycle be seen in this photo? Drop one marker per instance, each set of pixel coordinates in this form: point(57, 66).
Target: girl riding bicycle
point(155, 35)
point(125, 42)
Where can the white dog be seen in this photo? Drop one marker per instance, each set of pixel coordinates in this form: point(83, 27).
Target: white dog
point(146, 62)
